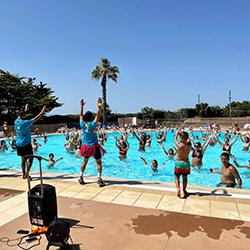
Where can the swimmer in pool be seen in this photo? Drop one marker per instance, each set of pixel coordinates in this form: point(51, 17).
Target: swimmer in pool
point(123, 147)
point(228, 172)
point(246, 142)
point(227, 146)
point(153, 166)
point(171, 152)
point(35, 145)
point(51, 160)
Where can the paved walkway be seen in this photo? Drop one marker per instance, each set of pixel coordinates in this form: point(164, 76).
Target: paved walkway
point(213, 203)
point(107, 226)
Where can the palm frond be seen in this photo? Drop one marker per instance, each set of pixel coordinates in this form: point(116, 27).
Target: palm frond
point(97, 73)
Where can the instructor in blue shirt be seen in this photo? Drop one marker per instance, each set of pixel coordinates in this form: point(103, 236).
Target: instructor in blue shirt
point(23, 138)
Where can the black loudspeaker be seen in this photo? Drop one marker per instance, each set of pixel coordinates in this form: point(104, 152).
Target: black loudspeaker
point(42, 204)
point(58, 233)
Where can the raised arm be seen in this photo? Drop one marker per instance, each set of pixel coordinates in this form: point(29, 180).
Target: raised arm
point(99, 108)
point(218, 140)
point(175, 149)
point(164, 149)
point(145, 162)
point(235, 139)
point(61, 158)
point(242, 138)
point(137, 136)
point(204, 147)
point(235, 161)
point(38, 117)
point(82, 103)
point(164, 134)
point(175, 137)
point(116, 143)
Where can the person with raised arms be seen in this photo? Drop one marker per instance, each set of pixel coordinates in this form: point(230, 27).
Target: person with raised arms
point(171, 152)
point(227, 146)
point(90, 145)
point(51, 160)
point(23, 139)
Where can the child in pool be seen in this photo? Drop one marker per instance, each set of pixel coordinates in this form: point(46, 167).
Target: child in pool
point(51, 160)
point(171, 152)
point(153, 166)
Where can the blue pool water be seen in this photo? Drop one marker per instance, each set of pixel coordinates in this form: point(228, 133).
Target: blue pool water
point(132, 168)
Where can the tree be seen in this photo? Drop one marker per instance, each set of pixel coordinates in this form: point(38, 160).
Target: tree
point(238, 108)
point(215, 111)
point(158, 114)
point(16, 91)
point(202, 109)
point(147, 112)
point(105, 71)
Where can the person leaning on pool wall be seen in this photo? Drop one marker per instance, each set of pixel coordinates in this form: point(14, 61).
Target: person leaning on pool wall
point(228, 172)
point(23, 138)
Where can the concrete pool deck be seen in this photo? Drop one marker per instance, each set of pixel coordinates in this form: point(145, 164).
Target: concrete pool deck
point(132, 214)
point(105, 226)
point(212, 202)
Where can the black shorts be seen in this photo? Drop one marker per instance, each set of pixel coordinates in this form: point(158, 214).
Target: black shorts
point(25, 150)
point(98, 154)
point(228, 185)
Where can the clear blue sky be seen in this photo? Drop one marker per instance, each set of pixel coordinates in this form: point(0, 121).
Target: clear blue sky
point(167, 51)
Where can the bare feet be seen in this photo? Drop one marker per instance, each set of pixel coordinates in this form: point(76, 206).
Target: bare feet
point(179, 193)
point(27, 176)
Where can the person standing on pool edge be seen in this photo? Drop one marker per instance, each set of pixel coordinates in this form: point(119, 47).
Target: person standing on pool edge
point(23, 138)
point(182, 165)
point(90, 145)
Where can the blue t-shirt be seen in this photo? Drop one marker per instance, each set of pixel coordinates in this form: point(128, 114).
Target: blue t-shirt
point(22, 128)
point(89, 136)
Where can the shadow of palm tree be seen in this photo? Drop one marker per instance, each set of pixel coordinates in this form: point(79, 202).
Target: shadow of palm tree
point(171, 223)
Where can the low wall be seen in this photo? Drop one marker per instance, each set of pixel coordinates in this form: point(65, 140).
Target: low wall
point(49, 128)
point(225, 122)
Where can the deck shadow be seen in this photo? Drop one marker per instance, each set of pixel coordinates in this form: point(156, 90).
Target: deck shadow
point(183, 225)
point(212, 193)
point(127, 182)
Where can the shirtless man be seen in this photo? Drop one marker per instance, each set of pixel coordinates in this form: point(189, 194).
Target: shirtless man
point(182, 165)
point(228, 172)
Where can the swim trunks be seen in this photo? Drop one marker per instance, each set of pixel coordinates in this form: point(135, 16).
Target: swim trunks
point(182, 168)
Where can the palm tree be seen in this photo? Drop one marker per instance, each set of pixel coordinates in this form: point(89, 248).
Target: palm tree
point(105, 71)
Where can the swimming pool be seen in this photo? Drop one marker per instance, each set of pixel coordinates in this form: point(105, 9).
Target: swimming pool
point(132, 168)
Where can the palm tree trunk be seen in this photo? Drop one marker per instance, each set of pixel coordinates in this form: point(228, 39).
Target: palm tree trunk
point(104, 95)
